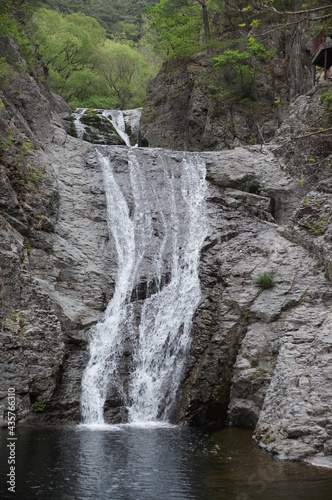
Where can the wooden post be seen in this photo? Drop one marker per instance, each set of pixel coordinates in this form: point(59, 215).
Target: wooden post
point(314, 76)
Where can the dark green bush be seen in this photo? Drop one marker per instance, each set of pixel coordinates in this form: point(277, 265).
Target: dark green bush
point(265, 281)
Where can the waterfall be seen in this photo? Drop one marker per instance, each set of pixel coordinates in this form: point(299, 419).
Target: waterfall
point(79, 126)
point(158, 227)
point(117, 119)
point(120, 120)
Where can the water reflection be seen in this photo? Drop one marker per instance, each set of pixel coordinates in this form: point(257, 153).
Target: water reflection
point(133, 464)
point(129, 463)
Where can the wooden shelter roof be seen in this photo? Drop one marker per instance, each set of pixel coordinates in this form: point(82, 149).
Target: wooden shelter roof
point(319, 56)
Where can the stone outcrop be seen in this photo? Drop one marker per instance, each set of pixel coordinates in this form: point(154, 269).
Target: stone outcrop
point(259, 358)
point(186, 108)
point(94, 127)
point(99, 126)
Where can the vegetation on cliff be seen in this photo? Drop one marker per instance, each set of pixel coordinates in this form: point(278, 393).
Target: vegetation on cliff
point(242, 76)
point(14, 14)
point(179, 30)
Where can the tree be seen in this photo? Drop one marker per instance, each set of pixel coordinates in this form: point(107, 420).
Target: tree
point(119, 18)
point(177, 26)
point(240, 69)
point(205, 20)
point(68, 45)
point(85, 68)
point(280, 14)
point(124, 71)
point(13, 18)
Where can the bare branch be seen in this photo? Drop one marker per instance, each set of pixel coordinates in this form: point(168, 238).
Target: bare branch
point(304, 136)
point(311, 133)
point(296, 12)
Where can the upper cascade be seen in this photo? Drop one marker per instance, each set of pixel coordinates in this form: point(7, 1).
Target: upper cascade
point(103, 126)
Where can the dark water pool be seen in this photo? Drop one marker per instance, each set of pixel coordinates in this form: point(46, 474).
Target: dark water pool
point(154, 464)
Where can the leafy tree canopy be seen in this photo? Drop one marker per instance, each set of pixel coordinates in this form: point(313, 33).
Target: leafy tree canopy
point(120, 18)
point(176, 25)
point(86, 68)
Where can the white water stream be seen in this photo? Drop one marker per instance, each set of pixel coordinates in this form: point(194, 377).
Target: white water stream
point(168, 264)
point(118, 118)
point(80, 127)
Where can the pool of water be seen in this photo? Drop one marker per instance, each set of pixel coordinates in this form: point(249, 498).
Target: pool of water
point(137, 463)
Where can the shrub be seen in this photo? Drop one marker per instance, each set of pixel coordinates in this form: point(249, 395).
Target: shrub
point(265, 281)
point(39, 407)
point(240, 67)
point(254, 363)
point(327, 107)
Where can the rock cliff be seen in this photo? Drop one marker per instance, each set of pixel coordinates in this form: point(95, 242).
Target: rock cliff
point(258, 358)
point(55, 260)
point(187, 108)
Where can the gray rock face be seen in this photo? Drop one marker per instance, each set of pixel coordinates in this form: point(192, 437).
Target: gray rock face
point(107, 127)
point(259, 358)
point(188, 107)
point(55, 285)
point(132, 119)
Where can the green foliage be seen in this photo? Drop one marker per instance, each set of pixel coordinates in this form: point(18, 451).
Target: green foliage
point(247, 315)
point(6, 143)
point(35, 176)
point(315, 229)
point(258, 373)
point(88, 70)
point(240, 66)
point(39, 407)
point(26, 148)
point(4, 75)
point(254, 363)
point(67, 44)
point(211, 179)
point(265, 281)
point(13, 17)
point(121, 19)
point(327, 107)
point(124, 72)
point(176, 27)
point(16, 315)
point(15, 320)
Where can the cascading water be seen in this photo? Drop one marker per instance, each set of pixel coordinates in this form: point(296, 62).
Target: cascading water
point(117, 119)
point(167, 315)
point(158, 245)
point(94, 125)
point(79, 126)
point(106, 345)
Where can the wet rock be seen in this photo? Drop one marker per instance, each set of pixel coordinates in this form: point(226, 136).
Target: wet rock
point(94, 126)
point(55, 267)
